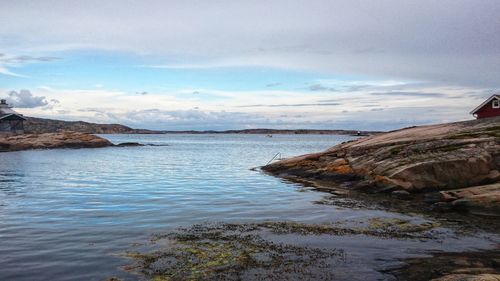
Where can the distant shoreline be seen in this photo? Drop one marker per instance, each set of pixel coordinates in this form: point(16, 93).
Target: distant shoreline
point(277, 132)
point(40, 125)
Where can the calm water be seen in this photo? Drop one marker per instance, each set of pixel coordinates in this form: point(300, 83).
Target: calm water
point(69, 214)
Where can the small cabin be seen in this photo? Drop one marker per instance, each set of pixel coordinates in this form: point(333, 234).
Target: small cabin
point(11, 122)
point(489, 108)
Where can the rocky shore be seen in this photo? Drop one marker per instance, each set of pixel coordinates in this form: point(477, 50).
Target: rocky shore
point(51, 141)
point(455, 165)
point(472, 266)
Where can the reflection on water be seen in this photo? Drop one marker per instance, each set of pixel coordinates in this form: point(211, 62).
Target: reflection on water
point(67, 214)
point(8, 182)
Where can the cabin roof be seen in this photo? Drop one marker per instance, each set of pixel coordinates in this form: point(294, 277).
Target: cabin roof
point(6, 110)
point(11, 117)
point(7, 113)
point(495, 96)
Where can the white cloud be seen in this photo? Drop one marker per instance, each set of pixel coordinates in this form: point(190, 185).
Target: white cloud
point(6, 71)
point(390, 107)
point(25, 99)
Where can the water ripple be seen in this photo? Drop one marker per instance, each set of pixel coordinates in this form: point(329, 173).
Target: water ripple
point(65, 214)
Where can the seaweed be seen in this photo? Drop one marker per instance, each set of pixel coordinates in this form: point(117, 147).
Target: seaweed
point(230, 251)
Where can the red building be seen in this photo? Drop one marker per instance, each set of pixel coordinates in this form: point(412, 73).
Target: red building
point(489, 108)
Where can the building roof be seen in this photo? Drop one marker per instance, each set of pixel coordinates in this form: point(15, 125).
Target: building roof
point(495, 96)
point(11, 117)
point(6, 112)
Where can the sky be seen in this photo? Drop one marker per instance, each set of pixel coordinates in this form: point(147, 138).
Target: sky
point(217, 65)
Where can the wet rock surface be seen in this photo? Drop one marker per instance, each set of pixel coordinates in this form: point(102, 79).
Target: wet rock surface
point(477, 199)
point(469, 266)
point(460, 159)
point(129, 144)
point(341, 250)
point(469, 277)
point(264, 251)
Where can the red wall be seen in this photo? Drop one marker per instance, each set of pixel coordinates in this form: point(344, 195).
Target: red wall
point(488, 111)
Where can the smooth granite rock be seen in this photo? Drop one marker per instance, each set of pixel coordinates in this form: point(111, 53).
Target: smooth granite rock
point(51, 141)
point(420, 159)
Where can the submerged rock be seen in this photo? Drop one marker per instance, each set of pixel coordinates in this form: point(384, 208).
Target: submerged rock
point(401, 194)
point(127, 144)
point(420, 159)
point(257, 251)
point(442, 206)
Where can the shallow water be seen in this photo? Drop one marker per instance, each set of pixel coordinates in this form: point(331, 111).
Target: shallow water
point(70, 214)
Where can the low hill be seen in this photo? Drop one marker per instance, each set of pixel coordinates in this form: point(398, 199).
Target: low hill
point(40, 125)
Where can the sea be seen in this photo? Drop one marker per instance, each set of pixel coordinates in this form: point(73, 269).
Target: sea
point(72, 214)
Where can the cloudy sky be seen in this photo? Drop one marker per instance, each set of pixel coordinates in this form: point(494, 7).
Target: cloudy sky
point(186, 64)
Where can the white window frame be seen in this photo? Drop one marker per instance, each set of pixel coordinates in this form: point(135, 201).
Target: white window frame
point(495, 103)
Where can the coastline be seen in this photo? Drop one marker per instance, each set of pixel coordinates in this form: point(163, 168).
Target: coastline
point(59, 140)
point(51, 141)
point(215, 251)
point(454, 166)
point(288, 249)
point(40, 125)
point(228, 248)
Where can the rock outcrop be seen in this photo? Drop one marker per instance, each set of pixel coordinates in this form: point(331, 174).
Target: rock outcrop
point(420, 159)
point(452, 266)
point(51, 141)
point(469, 277)
point(475, 199)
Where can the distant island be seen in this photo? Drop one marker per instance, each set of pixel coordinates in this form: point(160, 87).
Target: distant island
point(35, 125)
point(279, 131)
